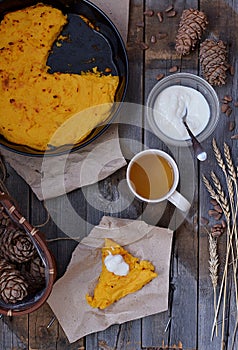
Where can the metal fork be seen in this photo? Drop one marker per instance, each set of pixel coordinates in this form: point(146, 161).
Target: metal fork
point(197, 147)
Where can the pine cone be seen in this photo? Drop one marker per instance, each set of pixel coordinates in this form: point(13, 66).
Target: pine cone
point(191, 27)
point(213, 58)
point(34, 273)
point(13, 286)
point(34, 284)
point(37, 270)
point(16, 246)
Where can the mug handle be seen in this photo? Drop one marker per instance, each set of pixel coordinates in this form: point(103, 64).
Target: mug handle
point(179, 201)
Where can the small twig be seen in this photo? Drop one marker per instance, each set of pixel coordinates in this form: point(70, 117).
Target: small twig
point(51, 322)
point(63, 239)
point(167, 325)
point(46, 221)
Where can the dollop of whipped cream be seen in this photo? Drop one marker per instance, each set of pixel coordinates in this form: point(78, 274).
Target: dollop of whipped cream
point(116, 264)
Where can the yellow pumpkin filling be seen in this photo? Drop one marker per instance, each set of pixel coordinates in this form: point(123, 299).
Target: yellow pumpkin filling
point(111, 287)
point(34, 104)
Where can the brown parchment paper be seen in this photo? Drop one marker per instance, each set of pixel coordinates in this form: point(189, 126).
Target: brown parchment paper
point(67, 299)
point(55, 176)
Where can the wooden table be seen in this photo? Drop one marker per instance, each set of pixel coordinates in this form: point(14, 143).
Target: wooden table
point(187, 323)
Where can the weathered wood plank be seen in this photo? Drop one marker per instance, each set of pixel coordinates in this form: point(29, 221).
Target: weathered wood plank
point(159, 59)
point(191, 308)
point(128, 335)
point(61, 225)
point(39, 334)
point(222, 25)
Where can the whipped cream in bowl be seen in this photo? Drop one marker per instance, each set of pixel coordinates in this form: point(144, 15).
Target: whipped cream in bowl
point(168, 100)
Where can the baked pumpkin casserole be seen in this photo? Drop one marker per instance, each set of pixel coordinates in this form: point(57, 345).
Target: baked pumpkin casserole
point(112, 287)
point(34, 103)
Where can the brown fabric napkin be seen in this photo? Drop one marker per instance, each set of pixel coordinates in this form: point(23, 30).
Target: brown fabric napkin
point(144, 241)
point(30, 168)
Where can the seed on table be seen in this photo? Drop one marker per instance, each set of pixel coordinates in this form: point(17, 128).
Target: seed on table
point(160, 76)
point(223, 223)
point(224, 101)
point(153, 39)
point(234, 137)
point(161, 36)
point(224, 107)
point(159, 14)
point(217, 217)
point(229, 111)
point(218, 208)
point(149, 13)
point(216, 234)
point(232, 125)
point(232, 70)
point(169, 8)
point(143, 45)
point(108, 70)
point(213, 202)
point(171, 13)
point(212, 212)
point(216, 226)
point(141, 24)
point(227, 98)
point(173, 69)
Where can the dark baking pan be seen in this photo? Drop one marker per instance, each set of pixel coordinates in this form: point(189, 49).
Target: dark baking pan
point(87, 48)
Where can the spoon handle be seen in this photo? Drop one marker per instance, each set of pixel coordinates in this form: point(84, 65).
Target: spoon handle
point(197, 147)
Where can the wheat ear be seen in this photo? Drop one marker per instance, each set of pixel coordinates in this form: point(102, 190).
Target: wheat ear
point(213, 267)
point(218, 155)
point(229, 162)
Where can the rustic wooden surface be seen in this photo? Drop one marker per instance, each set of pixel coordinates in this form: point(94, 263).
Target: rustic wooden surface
point(188, 321)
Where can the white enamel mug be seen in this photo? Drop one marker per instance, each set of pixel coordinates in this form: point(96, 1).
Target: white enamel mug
point(172, 195)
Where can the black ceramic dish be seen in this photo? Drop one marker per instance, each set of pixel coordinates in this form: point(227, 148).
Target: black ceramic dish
point(87, 48)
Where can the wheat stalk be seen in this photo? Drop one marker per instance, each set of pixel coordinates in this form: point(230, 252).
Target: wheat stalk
point(213, 260)
point(218, 155)
point(229, 207)
point(229, 162)
point(228, 201)
point(218, 195)
point(213, 267)
point(210, 189)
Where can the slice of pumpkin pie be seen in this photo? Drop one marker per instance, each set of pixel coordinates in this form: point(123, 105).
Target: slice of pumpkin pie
point(122, 274)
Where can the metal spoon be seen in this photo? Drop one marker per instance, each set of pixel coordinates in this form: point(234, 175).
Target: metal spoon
point(197, 147)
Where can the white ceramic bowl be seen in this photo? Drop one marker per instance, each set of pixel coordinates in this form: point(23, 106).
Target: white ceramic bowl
point(190, 81)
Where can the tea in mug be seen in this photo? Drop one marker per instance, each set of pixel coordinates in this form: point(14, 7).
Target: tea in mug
point(151, 176)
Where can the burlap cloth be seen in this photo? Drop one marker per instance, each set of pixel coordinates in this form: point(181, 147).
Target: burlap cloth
point(144, 241)
point(30, 168)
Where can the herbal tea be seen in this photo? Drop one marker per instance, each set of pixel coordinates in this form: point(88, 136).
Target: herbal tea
point(151, 176)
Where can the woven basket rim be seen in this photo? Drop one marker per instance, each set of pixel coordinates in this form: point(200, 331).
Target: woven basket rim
point(20, 221)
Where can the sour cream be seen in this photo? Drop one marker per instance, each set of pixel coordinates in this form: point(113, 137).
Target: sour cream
point(169, 108)
point(116, 264)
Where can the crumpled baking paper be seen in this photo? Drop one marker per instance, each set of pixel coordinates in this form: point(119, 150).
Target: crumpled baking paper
point(55, 176)
point(144, 241)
